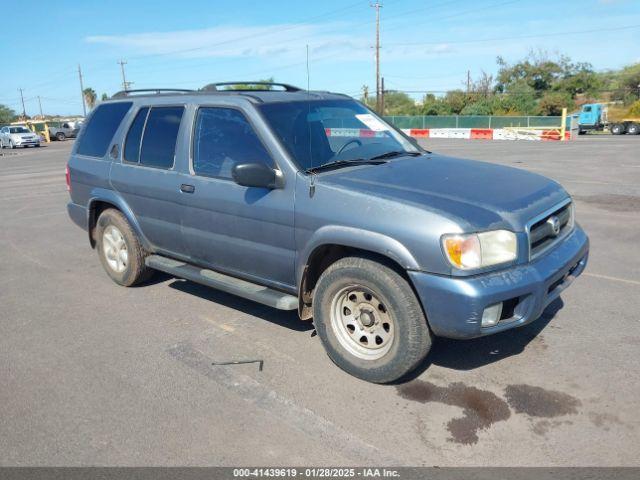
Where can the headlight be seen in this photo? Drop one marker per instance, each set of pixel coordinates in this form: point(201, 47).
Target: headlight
point(478, 250)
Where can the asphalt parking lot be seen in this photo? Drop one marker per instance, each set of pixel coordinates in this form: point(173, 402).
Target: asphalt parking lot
point(96, 374)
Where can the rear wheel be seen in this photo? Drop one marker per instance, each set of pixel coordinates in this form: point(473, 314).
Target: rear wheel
point(119, 249)
point(61, 136)
point(369, 320)
point(11, 144)
point(617, 129)
point(633, 129)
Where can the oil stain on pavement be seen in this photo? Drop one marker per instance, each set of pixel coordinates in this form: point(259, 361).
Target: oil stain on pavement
point(538, 402)
point(482, 408)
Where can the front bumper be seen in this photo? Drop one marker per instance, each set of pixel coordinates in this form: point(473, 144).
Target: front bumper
point(454, 306)
point(26, 143)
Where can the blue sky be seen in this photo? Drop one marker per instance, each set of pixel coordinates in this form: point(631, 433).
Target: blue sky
point(426, 45)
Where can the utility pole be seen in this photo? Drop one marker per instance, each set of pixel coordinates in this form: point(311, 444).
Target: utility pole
point(125, 84)
point(84, 105)
point(24, 112)
point(382, 96)
point(468, 81)
point(40, 105)
point(377, 6)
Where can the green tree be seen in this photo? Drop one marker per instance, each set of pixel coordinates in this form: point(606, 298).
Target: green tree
point(537, 69)
point(104, 97)
point(580, 79)
point(520, 100)
point(431, 105)
point(6, 114)
point(90, 97)
point(634, 110)
point(621, 85)
point(395, 103)
point(480, 107)
point(398, 103)
point(552, 103)
point(456, 100)
point(244, 86)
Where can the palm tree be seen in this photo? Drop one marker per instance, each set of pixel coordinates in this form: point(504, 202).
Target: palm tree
point(90, 97)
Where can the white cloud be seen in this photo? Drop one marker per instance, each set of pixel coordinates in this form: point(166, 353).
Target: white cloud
point(286, 40)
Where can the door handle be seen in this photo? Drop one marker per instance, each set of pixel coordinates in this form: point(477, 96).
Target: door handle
point(187, 188)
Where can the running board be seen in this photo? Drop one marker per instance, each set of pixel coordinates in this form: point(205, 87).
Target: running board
point(219, 281)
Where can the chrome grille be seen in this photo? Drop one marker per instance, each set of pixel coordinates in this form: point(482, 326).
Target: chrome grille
point(549, 228)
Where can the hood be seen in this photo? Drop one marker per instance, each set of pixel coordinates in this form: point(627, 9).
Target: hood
point(478, 195)
point(24, 135)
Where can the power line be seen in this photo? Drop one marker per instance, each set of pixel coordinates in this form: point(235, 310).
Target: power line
point(299, 24)
point(489, 94)
point(493, 39)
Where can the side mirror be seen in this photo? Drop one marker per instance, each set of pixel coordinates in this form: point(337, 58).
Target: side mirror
point(255, 175)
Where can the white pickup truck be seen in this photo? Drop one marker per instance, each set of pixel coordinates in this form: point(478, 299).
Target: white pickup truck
point(64, 131)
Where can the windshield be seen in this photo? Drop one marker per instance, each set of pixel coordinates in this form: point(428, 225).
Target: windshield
point(19, 130)
point(322, 131)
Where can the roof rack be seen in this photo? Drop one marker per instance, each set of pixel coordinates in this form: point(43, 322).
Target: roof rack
point(157, 91)
point(214, 86)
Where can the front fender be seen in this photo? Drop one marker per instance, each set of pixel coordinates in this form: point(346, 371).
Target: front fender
point(115, 199)
point(355, 238)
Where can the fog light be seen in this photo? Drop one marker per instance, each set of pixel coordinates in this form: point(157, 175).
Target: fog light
point(491, 315)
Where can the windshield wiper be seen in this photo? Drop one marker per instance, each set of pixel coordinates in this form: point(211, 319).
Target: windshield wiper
point(396, 153)
point(346, 163)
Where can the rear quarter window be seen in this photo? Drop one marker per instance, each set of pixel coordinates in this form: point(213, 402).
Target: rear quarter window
point(159, 137)
point(99, 131)
point(132, 144)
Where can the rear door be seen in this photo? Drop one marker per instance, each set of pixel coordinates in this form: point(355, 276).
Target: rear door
point(147, 178)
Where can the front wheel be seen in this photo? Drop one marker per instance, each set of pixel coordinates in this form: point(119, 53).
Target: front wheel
point(369, 320)
point(119, 249)
point(61, 136)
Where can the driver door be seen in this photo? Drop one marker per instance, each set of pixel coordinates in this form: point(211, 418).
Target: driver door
point(244, 231)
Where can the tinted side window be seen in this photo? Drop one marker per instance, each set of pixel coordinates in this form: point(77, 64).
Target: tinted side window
point(132, 144)
point(222, 138)
point(103, 124)
point(160, 134)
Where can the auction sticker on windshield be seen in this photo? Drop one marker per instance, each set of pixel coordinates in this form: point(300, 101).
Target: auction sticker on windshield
point(372, 122)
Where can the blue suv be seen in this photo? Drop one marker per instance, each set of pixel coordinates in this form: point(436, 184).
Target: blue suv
point(309, 201)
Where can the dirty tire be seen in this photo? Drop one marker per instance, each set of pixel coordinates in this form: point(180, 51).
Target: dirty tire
point(135, 271)
point(411, 340)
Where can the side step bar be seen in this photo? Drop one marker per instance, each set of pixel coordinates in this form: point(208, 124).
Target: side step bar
point(235, 286)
